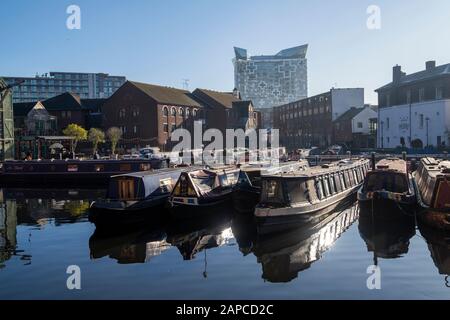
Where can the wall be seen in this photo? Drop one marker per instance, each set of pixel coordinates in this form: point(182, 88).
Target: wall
point(399, 123)
point(363, 117)
point(344, 99)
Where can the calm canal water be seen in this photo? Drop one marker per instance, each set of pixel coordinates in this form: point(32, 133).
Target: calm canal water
point(42, 232)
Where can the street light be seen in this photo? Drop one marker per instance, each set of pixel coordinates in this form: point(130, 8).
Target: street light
point(427, 119)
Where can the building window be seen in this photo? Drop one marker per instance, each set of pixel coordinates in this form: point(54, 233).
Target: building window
point(359, 125)
point(173, 111)
point(165, 111)
point(136, 112)
point(387, 123)
point(439, 94)
point(421, 121)
point(188, 113)
point(181, 112)
point(408, 96)
point(421, 94)
point(166, 127)
point(135, 129)
point(122, 113)
point(194, 112)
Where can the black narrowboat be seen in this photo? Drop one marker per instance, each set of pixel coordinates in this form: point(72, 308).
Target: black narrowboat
point(135, 197)
point(432, 180)
point(202, 191)
point(71, 172)
point(247, 192)
point(297, 198)
point(388, 184)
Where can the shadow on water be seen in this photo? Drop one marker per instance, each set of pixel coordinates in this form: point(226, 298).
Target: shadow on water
point(387, 238)
point(284, 255)
point(439, 246)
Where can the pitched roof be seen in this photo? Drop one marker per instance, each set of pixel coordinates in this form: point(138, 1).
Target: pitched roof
point(65, 101)
point(21, 109)
point(166, 95)
point(443, 70)
point(349, 114)
point(222, 99)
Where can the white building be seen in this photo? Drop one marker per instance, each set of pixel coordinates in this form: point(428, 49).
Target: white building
point(414, 109)
point(426, 123)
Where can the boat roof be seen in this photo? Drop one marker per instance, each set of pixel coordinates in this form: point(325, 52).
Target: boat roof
point(267, 167)
point(436, 166)
point(320, 170)
point(391, 164)
point(142, 174)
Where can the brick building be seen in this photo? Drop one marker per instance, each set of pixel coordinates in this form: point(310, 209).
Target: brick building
point(309, 122)
point(148, 114)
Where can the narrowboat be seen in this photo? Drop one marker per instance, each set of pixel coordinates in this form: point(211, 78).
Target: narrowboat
point(432, 180)
point(388, 184)
point(131, 197)
point(247, 192)
point(203, 191)
point(300, 197)
point(284, 255)
point(70, 172)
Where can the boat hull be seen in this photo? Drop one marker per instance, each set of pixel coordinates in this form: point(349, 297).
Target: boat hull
point(246, 199)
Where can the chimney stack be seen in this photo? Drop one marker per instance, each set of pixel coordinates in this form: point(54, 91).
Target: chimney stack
point(397, 74)
point(430, 65)
point(236, 93)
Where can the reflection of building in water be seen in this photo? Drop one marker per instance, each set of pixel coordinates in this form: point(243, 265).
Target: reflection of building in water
point(284, 255)
point(388, 239)
point(134, 247)
point(439, 245)
point(8, 223)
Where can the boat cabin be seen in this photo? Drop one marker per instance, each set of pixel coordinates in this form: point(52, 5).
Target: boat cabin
point(314, 185)
point(433, 181)
point(389, 175)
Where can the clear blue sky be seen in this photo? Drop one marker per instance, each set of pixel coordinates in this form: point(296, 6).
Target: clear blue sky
point(163, 42)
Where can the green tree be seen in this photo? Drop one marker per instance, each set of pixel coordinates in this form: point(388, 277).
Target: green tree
point(96, 136)
point(114, 134)
point(77, 132)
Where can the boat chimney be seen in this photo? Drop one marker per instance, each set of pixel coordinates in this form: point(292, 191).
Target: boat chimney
point(373, 161)
point(404, 155)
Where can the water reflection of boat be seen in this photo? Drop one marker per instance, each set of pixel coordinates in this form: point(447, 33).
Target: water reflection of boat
point(196, 235)
point(244, 231)
point(386, 238)
point(439, 245)
point(284, 255)
point(138, 246)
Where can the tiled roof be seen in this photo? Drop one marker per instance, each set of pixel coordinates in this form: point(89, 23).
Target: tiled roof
point(166, 95)
point(223, 99)
point(420, 76)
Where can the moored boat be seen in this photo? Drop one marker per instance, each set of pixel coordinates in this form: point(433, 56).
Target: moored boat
point(388, 184)
point(298, 198)
point(432, 180)
point(247, 192)
point(198, 191)
point(131, 196)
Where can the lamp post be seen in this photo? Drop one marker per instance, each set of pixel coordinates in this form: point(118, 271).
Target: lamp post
point(427, 120)
point(382, 138)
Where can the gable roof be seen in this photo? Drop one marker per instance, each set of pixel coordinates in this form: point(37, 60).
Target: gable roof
point(64, 101)
point(166, 95)
point(216, 98)
point(21, 109)
point(443, 70)
point(349, 114)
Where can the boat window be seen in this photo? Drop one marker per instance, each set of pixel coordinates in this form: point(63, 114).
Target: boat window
point(184, 188)
point(223, 180)
point(126, 189)
point(99, 167)
point(166, 185)
point(232, 177)
point(319, 189)
point(337, 182)
point(125, 167)
point(204, 184)
point(332, 185)
point(297, 191)
point(145, 166)
point(387, 181)
point(326, 187)
point(341, 178)
point(72, 168)
point(272, 192)
point(348, 179)
point(355, 176)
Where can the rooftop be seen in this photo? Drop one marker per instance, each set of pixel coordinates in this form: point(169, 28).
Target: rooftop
point(298, 52)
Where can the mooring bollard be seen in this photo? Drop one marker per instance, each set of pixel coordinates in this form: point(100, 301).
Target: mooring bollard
point(373, 161)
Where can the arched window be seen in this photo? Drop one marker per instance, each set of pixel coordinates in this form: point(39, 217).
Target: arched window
point(165, 111)
point(188, 113)
point(194, 113)
point(136, 112)
point(173, 111)
point(122, 113)
point(181, 112)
